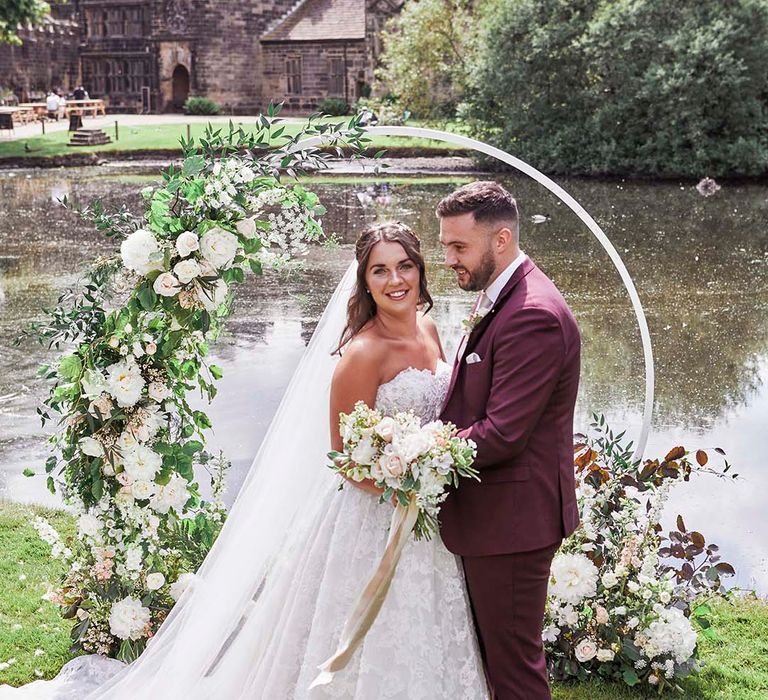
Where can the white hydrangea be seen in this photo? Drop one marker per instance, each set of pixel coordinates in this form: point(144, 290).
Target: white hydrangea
point(141, 252)
point(89, 525)
point(124, 382)
point(573, 578)
point(128, 618)
point(671, 634)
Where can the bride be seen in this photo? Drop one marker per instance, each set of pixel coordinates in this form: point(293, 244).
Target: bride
point(268, 605)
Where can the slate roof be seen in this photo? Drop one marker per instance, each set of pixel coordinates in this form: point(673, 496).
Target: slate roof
point(321, 20)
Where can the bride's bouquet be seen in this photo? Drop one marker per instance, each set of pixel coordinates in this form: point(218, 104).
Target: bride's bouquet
point(413, 463)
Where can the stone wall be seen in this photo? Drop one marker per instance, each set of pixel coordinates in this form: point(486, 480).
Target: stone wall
point(315, 62)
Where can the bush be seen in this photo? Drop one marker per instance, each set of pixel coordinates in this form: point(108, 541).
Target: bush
point(621, 87)
point(334, 106)
point(201, 105)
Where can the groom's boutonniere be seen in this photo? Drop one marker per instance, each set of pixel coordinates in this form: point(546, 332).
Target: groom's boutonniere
point(469, 324)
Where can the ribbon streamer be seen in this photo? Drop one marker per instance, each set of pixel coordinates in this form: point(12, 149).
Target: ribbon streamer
point(371, 599)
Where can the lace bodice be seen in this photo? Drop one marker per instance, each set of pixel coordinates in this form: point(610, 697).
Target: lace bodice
point(416, 390)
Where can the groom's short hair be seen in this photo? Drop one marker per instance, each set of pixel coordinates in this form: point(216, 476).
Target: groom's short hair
point(487, 200)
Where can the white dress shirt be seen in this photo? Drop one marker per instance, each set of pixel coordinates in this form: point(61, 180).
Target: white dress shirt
point(494, 289)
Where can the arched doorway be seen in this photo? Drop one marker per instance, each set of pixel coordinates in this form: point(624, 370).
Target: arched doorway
point(180, 86)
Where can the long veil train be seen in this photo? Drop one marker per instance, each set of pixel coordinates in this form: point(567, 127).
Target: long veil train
point(182, 660)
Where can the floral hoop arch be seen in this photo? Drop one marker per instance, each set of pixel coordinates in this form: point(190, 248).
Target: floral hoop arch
point(576, 208)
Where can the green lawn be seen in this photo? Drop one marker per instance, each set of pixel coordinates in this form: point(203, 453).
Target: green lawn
point(736, 666)
point(165, 137)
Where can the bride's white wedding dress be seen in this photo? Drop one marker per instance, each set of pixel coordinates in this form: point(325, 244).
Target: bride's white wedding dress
point(421, 646)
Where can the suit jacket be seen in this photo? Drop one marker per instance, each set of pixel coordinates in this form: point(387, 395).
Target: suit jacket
point(517, 404)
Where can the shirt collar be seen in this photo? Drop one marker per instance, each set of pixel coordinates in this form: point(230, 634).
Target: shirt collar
point(494, 289)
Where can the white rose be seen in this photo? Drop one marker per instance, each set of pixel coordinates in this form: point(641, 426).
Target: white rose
point(604, 655)
point(166, 285)
point(247, 227)
point(141, 252)
point(91, 447)
point(665, 597)
point(143, 490)
point(128, 618)
point(385, 428)
point(212, 297)
point(633, 586)
point(364, 452)
point(601, 615)
point(180, 585)
point(585, 650)
point(609, 579)
point(155, 580)
point(219, 247)
point(141, 463)
point(174, 495)
point(187, 243)
point(620, 610)
point(124, 382)
point(186, 270)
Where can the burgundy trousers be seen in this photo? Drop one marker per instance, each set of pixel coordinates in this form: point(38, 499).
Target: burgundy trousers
point(508, 593)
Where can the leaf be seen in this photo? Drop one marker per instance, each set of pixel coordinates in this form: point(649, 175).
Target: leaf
point(147, 297)
point(630, 677)
point(725, 568)
point(680, 523)
point(70, 367)
point(97, 489)
point(216, 371)
point(701, 457)
point(675, 453)
point(720, 451)
point(698, 539)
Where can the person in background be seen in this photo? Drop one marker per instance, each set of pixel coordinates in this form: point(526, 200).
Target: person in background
point(52, 104)
point(80, 93)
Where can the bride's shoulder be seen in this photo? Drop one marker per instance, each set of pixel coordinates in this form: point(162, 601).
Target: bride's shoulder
point(363, 355)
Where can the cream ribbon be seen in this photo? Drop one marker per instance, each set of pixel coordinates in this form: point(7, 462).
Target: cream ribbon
point(371, 599)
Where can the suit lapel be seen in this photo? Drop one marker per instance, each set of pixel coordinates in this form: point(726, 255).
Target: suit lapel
point(486, 321)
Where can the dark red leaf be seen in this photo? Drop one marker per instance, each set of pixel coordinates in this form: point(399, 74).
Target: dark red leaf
point(675, 453)
point(725, 568)
point(701, 457)
point(698, 539)
point(680, 523)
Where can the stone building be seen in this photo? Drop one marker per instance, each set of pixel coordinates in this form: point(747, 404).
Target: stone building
point(150, 55)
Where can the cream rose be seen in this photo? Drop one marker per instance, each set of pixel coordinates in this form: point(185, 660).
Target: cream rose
point(247, 227)
point(186, 270)
point(605, 655)
point(385, 429)
point(155, 580)
point(166, 285)
point(187, 243)
point(585, 650)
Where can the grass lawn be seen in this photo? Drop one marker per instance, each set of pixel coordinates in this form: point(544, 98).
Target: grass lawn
point(736, 665)
point(166, 137)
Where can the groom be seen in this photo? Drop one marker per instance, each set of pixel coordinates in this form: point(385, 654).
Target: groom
point(513, 392)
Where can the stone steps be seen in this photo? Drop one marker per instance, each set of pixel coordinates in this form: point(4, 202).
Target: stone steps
point(89, 137)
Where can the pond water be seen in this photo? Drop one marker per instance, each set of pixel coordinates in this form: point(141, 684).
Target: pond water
point(700, 266)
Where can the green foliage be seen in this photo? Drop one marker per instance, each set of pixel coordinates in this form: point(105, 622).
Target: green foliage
point(428, 49)
point(334, 106)
point(20, 12)
point(201, 105)
point(625, 87)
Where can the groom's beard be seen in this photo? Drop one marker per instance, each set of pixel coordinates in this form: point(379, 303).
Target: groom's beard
point(478, 278)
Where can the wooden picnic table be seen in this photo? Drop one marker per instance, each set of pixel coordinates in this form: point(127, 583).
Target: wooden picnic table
point(83, 107)
point(10, 117)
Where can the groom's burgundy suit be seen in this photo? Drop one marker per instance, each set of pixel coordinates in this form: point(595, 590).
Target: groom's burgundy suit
point(516, 402)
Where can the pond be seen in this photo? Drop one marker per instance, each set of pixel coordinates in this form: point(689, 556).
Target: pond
point(700, 266)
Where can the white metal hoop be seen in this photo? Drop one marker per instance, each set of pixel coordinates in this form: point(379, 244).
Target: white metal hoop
point(577, 209)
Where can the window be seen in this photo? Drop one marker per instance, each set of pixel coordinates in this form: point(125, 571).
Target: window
point(109, 76)
point(293, 71)
point(336, 77)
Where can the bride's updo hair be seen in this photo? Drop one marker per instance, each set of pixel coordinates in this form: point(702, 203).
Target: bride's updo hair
point(361, 307)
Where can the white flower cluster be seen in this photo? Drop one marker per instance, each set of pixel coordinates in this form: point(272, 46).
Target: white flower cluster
point(401, 456)
point(672, 633)
point(221, 187)
point(129, 619)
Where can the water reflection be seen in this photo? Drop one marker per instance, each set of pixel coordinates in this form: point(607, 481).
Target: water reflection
point(700, 266)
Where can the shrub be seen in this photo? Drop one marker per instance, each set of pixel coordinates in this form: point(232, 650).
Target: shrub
point(201, 105)
point(334, 106)
point(621, 87)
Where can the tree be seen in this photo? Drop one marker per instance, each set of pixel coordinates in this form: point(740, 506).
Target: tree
point(427, 53)
point(625, 87)
point(20, 12)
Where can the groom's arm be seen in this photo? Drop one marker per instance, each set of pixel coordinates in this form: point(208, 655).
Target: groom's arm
point(527, 357)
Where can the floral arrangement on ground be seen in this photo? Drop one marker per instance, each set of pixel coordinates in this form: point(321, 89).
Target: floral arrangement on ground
point(624, 601)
